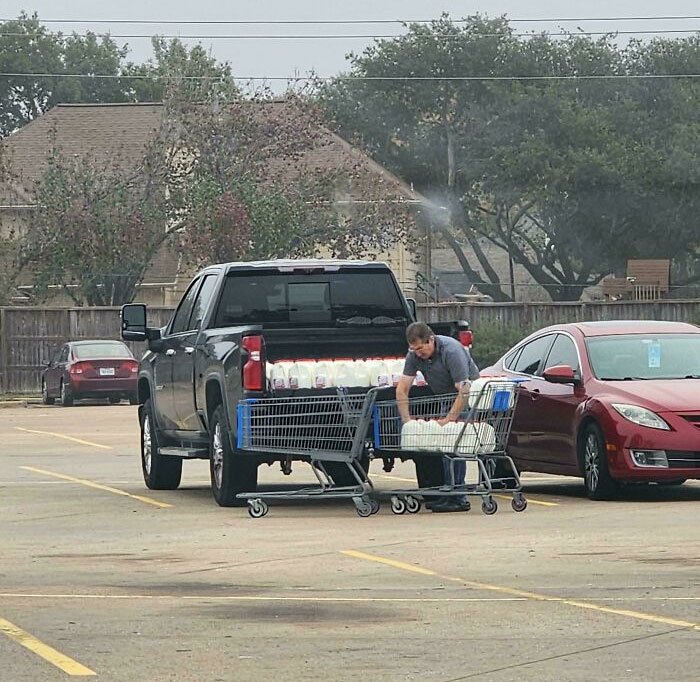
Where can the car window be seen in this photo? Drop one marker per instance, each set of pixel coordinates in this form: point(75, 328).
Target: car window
point(184, 310)
point(645, 356)
point(201, 303)
point(533, 354)
point(94, 351)
point(510, 359)
point(563, 352)
point(64, 354)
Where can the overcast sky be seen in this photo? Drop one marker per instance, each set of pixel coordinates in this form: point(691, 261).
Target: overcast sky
point(259, 57)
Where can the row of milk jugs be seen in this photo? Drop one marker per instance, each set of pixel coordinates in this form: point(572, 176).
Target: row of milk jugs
point(463, 438)
point(307, 373)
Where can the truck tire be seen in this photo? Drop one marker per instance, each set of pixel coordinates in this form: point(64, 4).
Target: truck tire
point(231, 472)
point(160, 472)
point(341, 475)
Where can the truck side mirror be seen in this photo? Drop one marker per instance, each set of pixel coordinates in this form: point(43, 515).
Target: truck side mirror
point(133, 322)
point(412, 306)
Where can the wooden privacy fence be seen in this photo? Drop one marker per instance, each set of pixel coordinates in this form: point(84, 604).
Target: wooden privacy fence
point(29, 336)
point(531, 316)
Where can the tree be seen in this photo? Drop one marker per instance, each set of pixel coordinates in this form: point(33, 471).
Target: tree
point(97, 228)
point(176, 72)
point(267, 180)
point(68, 66)
point(570, 177)
point(27, 47)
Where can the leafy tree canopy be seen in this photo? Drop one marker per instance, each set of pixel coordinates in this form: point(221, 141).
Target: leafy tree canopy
point(537, 145)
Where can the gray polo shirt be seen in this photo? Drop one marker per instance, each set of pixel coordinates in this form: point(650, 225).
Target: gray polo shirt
point(451, 364)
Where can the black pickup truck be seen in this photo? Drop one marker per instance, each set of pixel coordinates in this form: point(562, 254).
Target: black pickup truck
point(233, 321)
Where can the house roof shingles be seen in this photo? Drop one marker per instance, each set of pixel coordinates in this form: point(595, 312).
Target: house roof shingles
point(109, 132)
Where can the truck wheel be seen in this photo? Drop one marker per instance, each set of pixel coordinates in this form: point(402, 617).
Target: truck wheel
point(341, 475)
point(160, 472)
point(231, 472)
point(599, 484)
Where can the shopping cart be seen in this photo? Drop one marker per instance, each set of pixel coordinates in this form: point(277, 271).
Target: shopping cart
point(320, 429)
point(478, 440)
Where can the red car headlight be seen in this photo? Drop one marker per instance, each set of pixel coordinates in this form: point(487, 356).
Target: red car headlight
point(640, 415)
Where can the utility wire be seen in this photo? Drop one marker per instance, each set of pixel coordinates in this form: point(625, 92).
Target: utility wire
point(658, 76)
point(349, 36)
point(267, 22)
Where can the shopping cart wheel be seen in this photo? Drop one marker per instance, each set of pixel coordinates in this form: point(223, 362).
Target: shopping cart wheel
point(257, 508)
point(398, 506)
point(363, 508)
point(375, 506)
point(489, 506)
point(519, 503)
point(412, 504)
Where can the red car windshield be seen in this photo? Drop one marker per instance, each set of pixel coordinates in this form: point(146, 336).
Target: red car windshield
point(97, 351)
point(645, 356)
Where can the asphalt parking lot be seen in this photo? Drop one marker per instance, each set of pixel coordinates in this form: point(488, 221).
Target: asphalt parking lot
point(100, 577)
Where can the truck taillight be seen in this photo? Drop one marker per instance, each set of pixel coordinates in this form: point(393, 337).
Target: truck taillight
point(466, 338)
point(254, 368)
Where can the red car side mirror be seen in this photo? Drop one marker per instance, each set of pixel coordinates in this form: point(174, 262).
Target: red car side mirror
point(561, 374)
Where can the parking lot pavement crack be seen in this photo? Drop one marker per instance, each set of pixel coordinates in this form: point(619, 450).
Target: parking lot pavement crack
point(575, 652)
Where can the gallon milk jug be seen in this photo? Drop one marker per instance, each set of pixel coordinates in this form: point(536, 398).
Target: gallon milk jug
point(378, 372)
point(301, 374)
point(485, 437)
point(324, 374)
point(496, 394)
point(429, 437)
point(345, 373)
point(396, 369)
point(420, 379)
point(449, 434)
point(361, 373)
point(409, 434)
point(278, 375)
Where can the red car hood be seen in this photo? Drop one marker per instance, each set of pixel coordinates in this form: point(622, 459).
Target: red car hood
point(660, 395)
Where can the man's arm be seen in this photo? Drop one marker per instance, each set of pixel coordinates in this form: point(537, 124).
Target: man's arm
point(402, 389)
point(459, 403)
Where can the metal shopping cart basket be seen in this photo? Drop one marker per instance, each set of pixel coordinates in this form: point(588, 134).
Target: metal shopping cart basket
point(331, 428)
point(476, 442)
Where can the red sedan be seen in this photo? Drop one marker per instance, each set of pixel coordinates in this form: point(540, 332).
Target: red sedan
point(90, 369)
point(615, 402)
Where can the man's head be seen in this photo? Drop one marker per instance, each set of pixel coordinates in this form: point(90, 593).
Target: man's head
point(421, 340)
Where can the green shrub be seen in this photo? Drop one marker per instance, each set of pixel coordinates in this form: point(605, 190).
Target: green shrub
point(492, 340)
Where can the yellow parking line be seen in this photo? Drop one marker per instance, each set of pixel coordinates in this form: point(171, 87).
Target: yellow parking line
point(61, 435)
point(535, 596)
point(505, 497)
point(208, 597)
point(66, 664)
point(529, 500)
point(91, 484)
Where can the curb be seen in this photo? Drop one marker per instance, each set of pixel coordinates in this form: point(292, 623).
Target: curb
point(20, 402)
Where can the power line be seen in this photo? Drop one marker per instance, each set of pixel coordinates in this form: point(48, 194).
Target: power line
point(657, 76)
point(282, 22)
point(350, 36)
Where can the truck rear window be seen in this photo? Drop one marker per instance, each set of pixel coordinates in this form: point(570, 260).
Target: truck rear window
point(323, 298)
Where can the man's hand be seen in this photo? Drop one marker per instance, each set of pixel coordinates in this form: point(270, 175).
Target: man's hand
point(446, 420)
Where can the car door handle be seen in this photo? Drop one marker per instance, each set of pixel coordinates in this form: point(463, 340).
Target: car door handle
point(170, 352)
point(189, 350)
point(535, 393)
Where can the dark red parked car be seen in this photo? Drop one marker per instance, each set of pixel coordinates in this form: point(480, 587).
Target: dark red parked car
point(614, 402)
point(90, 369)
